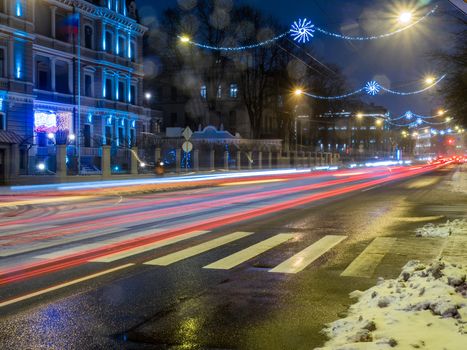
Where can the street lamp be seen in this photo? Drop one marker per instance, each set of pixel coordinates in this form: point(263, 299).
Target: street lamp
point(72, 137)
point(359, 115)
point(147, 96)
point(405, 17)
point(185, 39)
point(429, 80)
point(298, 92)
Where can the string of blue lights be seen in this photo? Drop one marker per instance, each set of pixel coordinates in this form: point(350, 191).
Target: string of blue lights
point(373, 88)
point(302, 31)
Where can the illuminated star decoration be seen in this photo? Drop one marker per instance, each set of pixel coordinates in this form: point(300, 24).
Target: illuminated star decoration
point(408, 115)
point(302, 31)
point(372, 88)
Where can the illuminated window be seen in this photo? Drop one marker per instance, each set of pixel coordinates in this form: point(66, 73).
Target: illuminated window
point(204, 91)
point(233, 90)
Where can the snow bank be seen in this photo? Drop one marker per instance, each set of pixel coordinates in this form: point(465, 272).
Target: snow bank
point(425, 307)
point(455, 227)
point(459, 180)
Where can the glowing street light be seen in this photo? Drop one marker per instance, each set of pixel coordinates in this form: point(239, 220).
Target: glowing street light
point(405, 17)
point(142, 165)
point(359, 115)
point(185, 39)
point(147, 96)
point(379, 122)
point(298, 92)
point(429, 80)
point(441, 112)
point(72, 137)
point(40, 166)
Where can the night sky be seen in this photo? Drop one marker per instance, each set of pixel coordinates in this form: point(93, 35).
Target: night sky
point(400, 62)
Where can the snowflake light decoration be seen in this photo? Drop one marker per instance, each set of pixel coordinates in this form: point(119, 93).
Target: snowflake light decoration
point(419, 121)
point(302, 31)
point(409, 115)
point(372, 88)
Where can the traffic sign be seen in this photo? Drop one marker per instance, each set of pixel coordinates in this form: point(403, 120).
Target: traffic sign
point(187, 133)
point(187, 146)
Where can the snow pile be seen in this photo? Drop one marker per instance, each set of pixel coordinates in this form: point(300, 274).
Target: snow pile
point(455, 227)
point(425, 307)
point(459, 180)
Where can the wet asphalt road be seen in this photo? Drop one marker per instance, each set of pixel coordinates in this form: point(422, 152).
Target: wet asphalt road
point(186, 306)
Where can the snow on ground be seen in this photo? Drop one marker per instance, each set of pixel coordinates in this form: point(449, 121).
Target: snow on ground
point(455, 227)
point(424, 308)
point(459, 180)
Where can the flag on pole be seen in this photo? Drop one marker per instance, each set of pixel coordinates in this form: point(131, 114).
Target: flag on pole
point(69, 25)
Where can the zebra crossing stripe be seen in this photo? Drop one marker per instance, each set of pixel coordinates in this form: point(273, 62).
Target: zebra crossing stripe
point(147, 247)
point(301, 260)
point(249, 253)
point(197, 249)
point(365, 264)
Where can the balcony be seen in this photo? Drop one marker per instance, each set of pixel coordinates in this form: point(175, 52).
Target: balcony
point(52, 96)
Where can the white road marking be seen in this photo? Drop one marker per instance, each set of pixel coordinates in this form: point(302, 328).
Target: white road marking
point(197, 249)
point(301, 260)
point(249, 253)
point(63, 285)
point(365, 264)
point(147, 247)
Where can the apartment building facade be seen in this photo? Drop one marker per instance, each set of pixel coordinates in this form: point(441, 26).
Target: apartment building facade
point(70, 73)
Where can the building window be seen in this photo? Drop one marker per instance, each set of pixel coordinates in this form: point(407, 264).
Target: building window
point(87, 135)
point(204, 91)
point(62, 32)
point(132, 94)
point(219, 91)
point(121, 46)
point(108, 89)
point(61, 77)
point(121, 91)
point(2, 63)
point(2, 121)
point(88, 85)
point(108, 135)
point(173, 93)
point(132, 53)
point(121, 137)
point(88, 37)
point(233, 90)
point(132, 137)
point(108, 42)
